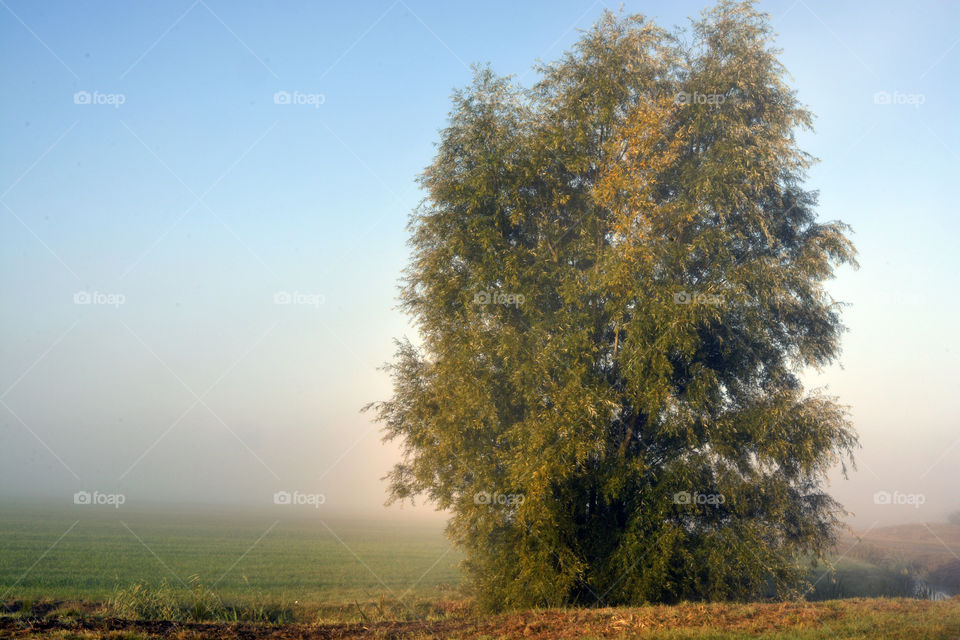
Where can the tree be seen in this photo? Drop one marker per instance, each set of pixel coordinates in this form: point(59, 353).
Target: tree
point(618, 276)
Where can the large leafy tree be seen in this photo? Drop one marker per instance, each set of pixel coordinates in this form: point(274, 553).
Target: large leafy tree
point(618, 278)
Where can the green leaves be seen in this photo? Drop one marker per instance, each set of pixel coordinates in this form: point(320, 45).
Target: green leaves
point(617, 276)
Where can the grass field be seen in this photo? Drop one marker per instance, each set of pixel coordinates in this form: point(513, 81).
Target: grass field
point(78, 554)
point(283, 557)
point(79, 573)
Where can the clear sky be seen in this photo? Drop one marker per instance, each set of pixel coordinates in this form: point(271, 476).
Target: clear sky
point(179, 165)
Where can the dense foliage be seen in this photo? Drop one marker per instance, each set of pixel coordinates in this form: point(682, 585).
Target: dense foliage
point(618, 278)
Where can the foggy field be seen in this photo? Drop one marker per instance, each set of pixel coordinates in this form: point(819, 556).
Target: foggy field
point(299, 560)
point(303, 571)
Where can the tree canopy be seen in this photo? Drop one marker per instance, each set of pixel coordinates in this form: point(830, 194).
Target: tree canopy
point(618, 278)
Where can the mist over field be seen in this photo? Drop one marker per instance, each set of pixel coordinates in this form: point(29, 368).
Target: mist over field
point(199, 199)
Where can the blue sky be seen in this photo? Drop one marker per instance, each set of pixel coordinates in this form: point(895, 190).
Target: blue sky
point(199, 199)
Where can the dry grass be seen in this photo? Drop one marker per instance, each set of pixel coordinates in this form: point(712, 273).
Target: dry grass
point(883, 619)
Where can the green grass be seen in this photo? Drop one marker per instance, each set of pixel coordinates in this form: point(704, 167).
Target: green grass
point(278, 574)
point(305, 557)
point(281, 565)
